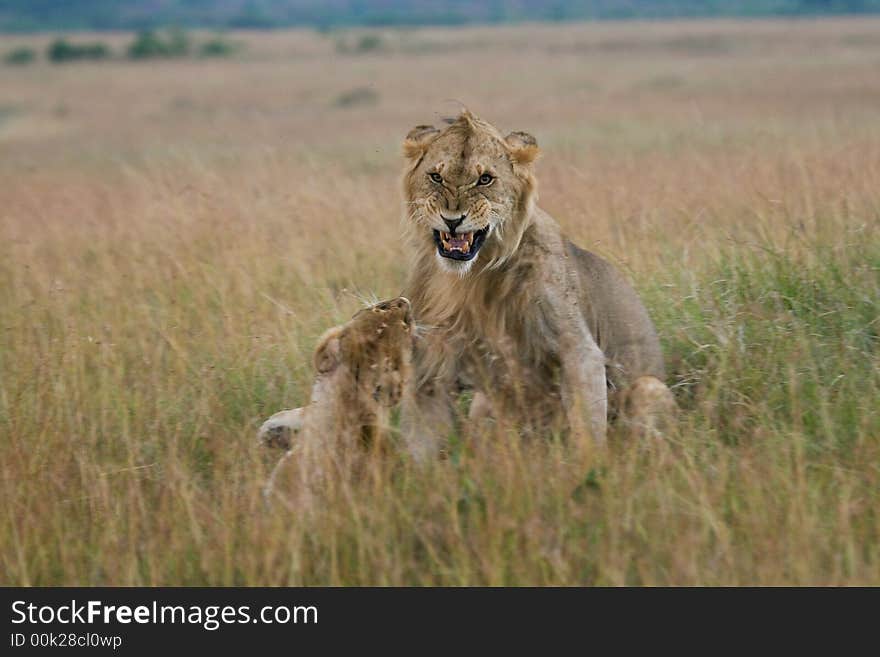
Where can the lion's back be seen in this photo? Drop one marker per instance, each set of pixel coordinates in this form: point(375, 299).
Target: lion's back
point(618, 319)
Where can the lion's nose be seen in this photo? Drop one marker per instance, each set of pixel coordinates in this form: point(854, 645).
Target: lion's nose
point(454, 223)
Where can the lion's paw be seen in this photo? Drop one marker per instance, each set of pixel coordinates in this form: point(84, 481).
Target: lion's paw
point(648, 407)
point(279, 430)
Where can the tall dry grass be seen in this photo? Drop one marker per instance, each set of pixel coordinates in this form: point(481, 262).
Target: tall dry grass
point(174, 237)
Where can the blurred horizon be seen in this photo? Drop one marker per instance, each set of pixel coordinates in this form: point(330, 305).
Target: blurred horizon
point(104, 15)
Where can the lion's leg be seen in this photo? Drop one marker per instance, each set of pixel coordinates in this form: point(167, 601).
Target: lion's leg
point(585, 391)
point(426, 420)
point(279, 430)
point(481, 408)
point(300, 472)
point(480, 415)
point(647, 407)
point(294, 481)
point(269, 487)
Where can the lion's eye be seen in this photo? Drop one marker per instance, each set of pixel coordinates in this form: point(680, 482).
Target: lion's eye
point(485, 179)
point(436, 177)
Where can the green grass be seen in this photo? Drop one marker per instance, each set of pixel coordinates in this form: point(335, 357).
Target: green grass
point(768, 340)
point(771, 477)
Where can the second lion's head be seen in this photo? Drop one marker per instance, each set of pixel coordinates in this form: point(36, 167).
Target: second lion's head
point(468, 192)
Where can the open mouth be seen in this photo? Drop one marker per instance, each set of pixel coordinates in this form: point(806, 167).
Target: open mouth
point(459, 246)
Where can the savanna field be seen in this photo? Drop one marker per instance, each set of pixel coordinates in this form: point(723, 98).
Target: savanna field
point(176, 234)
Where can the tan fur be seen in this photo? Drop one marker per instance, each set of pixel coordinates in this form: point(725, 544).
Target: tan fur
point(646, 407)
point(539, 326)
point(361, 370)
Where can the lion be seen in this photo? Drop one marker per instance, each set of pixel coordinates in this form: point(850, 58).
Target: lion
point(361, 369)
point(543, 331)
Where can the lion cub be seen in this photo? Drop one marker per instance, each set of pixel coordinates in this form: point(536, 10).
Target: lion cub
point(362, 367)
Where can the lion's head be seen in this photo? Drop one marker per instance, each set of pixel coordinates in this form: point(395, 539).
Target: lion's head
point(468, 192)
point(366, 361)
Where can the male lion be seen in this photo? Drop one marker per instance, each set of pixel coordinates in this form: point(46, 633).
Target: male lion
point(362, 367)
point(540, 328)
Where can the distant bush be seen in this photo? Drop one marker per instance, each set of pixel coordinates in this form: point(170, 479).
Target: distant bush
point(217, 47)
point(20, 56)
point(357, 96)
point(61, 50)
point(369, 42)
point(178, 42)
point(364, 44)
point(149, 44)
point(7, 112)
point(145, 45)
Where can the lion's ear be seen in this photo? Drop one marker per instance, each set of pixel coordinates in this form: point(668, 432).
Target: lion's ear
point(523, 147)
point(417, 140)
point(327, 355)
